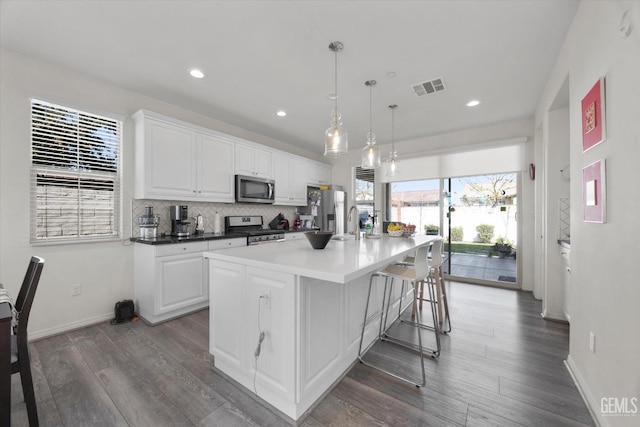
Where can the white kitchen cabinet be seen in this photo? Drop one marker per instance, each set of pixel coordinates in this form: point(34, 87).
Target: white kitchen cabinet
point(290, 185)
point(253, 161)
point(214, 166)
point(214, 245)
point(566, 255)
point(178, 161)
point(235, 285)
point(173, 279)
point(170, 280)
point(318, 174)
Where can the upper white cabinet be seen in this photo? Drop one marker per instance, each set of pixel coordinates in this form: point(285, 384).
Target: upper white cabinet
point(176, 161)
point(253, 161)
point(215, 165)
point(290, 185)
point(318, 174)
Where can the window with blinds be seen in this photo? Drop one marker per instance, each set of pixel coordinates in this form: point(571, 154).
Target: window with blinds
point(75, 174)
point(364, 192)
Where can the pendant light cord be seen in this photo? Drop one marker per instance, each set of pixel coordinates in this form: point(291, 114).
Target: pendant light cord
point(370, 112)
point(336, 79)
point(393, 129)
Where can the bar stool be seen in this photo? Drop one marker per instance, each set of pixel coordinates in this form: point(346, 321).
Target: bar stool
point(412, 274)
point(435, 280)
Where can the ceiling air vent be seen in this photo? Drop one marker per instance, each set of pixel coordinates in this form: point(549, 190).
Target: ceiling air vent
point(427, 88)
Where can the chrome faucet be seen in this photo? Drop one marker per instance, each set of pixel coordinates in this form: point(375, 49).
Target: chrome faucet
point(357, 227)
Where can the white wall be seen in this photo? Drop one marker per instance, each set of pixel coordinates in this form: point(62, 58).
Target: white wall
point(105, 270)
point(605, 296)
point(556, 157)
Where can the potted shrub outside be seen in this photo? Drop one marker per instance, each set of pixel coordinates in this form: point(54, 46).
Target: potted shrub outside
point(503, 246)
point(431, 230)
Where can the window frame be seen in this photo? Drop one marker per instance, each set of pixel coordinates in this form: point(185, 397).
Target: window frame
point(84, 177)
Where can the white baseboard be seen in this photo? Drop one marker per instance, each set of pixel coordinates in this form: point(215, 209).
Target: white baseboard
point(547, 315)
point(585, 392)
point(69, 326)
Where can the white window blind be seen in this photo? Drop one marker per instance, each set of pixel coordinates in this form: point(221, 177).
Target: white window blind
point(365, 193)
point(75, 174)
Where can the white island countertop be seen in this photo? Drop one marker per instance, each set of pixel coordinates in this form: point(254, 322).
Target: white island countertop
point(340, 261)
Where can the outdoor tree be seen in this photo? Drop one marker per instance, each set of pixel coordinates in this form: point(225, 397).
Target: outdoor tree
point(493, 191)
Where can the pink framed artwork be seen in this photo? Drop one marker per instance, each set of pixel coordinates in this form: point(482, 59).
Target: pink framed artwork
point(593, 116)
point(594, 192)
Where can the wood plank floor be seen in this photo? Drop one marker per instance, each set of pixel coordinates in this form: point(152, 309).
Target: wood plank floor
point(502, 365)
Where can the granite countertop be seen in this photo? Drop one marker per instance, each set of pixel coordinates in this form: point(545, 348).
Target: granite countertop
point(169, 239)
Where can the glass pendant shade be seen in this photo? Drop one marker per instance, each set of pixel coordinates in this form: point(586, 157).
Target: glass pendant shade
point(336, 140)
point(370, 153)
point(392, 163)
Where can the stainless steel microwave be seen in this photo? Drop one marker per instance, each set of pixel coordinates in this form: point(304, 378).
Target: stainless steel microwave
point(250, 189)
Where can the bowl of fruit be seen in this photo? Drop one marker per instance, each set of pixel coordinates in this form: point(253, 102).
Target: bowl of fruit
point(409, 230)
point(395, 230)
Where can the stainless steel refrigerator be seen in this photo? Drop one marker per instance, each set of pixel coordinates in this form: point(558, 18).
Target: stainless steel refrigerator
point(329, 209)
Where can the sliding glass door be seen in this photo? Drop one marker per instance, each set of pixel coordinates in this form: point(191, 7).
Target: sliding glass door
point(482, 231)
point(477, 216)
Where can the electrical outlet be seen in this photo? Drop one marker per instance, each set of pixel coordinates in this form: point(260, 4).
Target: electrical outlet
point(266, 300)
point(592, 342)
point(76, 290)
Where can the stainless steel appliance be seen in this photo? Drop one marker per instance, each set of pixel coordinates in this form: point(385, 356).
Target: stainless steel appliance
point(148, 223)
point(329, 209)
point(251, 226)
point(250, 189)
point(179, 224)
point(198, 226)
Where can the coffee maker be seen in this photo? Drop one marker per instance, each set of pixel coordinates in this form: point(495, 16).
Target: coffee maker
point(179, 223)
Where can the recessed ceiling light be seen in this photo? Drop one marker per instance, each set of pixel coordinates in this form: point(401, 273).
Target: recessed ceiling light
point(391, 74)
point(281, 113)
point(196, 73)
point(473, 103)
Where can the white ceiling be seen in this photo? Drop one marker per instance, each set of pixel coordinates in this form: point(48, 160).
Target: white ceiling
point(262, 56)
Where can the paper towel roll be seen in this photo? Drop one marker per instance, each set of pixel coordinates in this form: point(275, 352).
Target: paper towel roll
point(217, 224)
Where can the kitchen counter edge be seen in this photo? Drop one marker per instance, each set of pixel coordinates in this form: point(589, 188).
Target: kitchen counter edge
point(169, 240)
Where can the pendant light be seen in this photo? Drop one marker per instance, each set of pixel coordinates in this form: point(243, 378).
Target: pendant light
point(336, 141)
point(370, 153)
point(392, 163)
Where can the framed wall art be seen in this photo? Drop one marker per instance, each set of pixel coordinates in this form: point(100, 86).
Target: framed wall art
point(593, 116)
point(594, 195)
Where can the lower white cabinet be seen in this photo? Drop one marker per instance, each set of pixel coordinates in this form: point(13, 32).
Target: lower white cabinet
point(172, 280)
point(234, 340)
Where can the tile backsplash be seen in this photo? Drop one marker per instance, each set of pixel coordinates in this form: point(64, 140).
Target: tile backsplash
point(207, 210)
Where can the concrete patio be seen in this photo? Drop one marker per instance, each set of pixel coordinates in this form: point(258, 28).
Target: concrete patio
point(482, 267)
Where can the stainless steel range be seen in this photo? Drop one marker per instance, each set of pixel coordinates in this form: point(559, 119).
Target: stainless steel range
point(251, 226)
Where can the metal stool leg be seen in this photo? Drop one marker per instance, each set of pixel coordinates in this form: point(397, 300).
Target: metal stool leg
point(364, 322)
point(419, 347)
point(445, 304)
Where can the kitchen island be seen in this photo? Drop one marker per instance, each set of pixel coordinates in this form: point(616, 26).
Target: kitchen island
point(309, 304)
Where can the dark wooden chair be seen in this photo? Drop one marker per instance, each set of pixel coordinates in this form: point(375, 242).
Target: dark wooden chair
point(20, 361)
